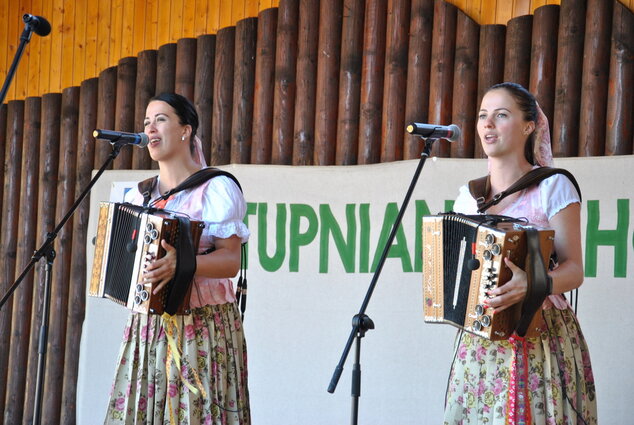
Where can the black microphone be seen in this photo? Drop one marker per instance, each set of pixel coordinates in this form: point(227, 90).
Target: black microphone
point(139, 140)
point(451, 133)
point(38, 24)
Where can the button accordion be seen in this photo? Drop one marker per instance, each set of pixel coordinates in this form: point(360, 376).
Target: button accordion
point(463, 259)
point(126, 234)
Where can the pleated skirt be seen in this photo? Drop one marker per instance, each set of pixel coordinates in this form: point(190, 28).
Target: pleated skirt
point(149, 388)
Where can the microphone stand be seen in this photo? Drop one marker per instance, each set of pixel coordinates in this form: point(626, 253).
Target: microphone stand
point(47, 250)
point(361, 323)
point(24, 39)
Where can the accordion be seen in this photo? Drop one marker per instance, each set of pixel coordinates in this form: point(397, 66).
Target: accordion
point(126, 234)
point(463, 259)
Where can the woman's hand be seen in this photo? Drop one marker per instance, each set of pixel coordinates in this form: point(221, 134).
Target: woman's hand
point(161, 271)
point(511, 292)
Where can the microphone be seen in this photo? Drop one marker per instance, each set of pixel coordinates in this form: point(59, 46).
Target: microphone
point(38, 24)
point(139, 140)
point(451, 133)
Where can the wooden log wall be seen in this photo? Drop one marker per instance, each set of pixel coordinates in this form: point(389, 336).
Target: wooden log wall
point(324, 83)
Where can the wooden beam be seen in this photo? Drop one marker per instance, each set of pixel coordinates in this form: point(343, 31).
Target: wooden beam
point(594, 83)
point(9, 231)
point(418, 69)
point(285, 82)
point(243, 88)
point(395, 83)
point(124, 107)
point(306, 79)
point(465, 86)
point(87, 118)
point(263, 90)
point(185, 71)
point(144, 90)
point(620, 113)
point(544, 59)
point(223, 96)
point(372, 77)
point(441, 75)
point(204, 89)
point(572, 22)
point(350, 77)
point(328, 63)
point(23, 296)
point(491, 66)
point(517, 51)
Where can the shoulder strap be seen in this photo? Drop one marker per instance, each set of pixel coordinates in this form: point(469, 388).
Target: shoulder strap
point(146, 187)
point(480, 188)
point(200, 177)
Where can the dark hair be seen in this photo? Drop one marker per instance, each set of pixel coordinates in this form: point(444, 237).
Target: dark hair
point(528, 105)
point(185, 110)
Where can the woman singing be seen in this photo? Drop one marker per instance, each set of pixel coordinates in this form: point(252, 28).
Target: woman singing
point(546, 379)
point(211, 385)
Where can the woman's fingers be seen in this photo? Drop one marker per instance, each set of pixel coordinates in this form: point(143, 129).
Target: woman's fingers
point(161, 271)
point(511, 292)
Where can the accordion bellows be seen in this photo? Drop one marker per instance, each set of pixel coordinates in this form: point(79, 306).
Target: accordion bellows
point(462, 260)
point(126, 233)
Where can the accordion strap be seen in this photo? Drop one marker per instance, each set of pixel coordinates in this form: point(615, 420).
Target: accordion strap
point(540, 284)
point(185, 267)
point(146, 187)
point(480, 188)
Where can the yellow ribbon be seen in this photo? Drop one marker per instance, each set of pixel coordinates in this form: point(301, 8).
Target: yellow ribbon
point(173, 335)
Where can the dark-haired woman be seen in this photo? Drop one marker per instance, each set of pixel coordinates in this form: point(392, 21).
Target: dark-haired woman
point(210, 386)
point(545, 379)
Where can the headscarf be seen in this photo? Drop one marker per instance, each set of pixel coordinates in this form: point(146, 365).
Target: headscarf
point(199, 155)
point(542, 152)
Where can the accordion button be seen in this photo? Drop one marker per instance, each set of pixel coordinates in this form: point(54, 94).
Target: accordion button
point(496, 249)
point(477, 326)
point(139, 287)
point(487, 255)
point(479, 309)
point(145, 295)
point(485, 320)
point(137, 300)
point(489, 239)
point(149, 227)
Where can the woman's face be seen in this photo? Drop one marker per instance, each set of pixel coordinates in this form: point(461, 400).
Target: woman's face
point(501, 125)
point(165, 131)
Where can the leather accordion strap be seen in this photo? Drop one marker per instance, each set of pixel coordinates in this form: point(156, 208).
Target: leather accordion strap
point(481, 187)
point(185, 267)
point(539, 282)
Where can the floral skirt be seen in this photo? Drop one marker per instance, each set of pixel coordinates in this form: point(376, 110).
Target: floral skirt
point(560, 383)
point(149, 390)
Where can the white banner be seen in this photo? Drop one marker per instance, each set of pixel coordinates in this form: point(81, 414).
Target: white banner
point(317, 233)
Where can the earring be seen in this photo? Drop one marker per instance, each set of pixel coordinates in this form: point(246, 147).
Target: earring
point(183, 138)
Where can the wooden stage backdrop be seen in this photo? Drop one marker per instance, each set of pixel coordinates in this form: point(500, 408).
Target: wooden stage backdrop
point(308, 82)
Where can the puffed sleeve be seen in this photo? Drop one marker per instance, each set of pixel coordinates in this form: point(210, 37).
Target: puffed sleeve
point(557, 192)
point(465, 203)
point(223, 210)
point(133, 196)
